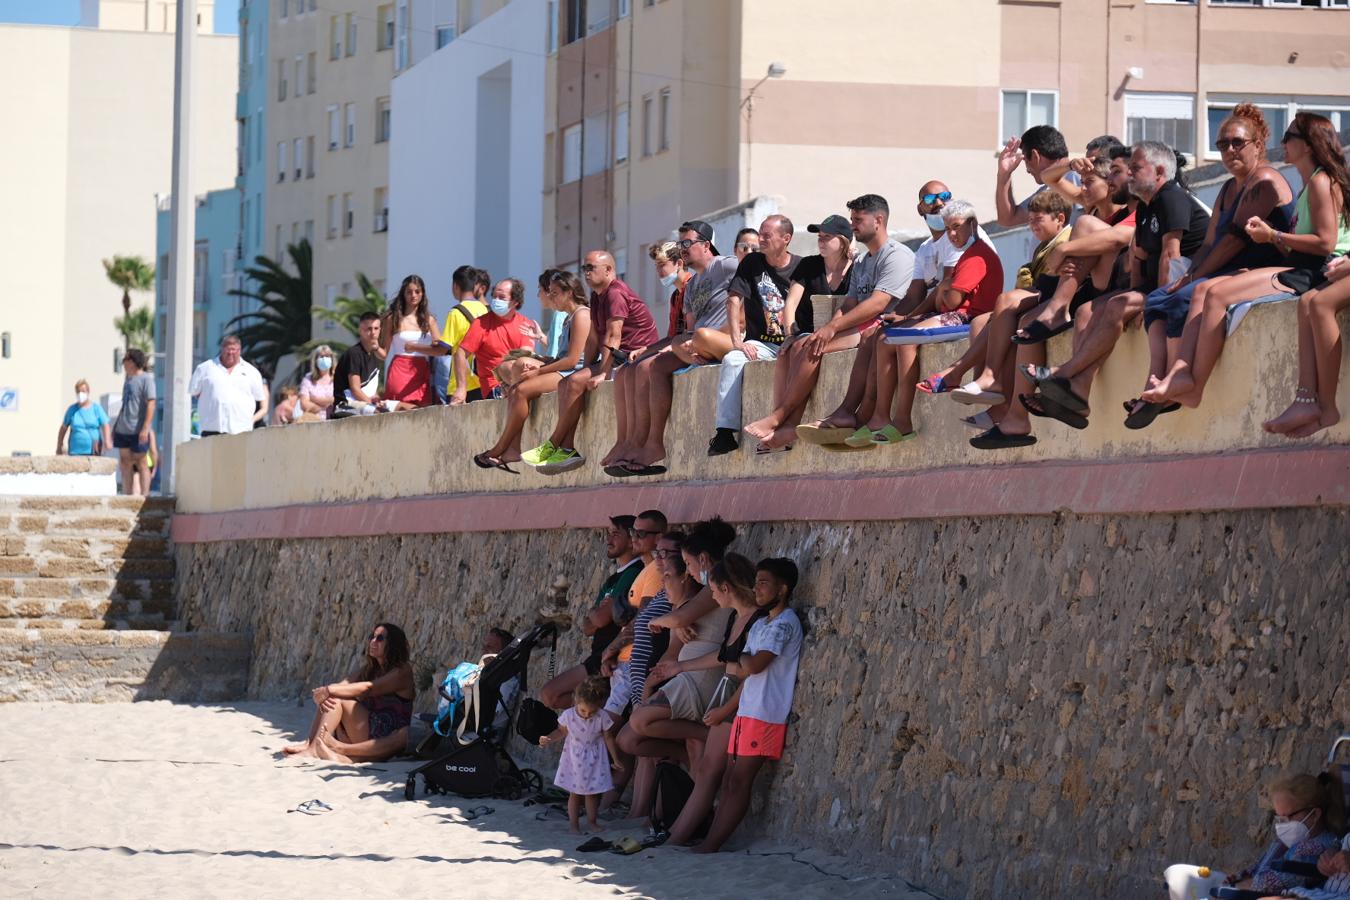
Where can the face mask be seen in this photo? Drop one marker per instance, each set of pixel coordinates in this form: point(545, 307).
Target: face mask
point(935, 221)
point(702, 576)
point(325, 364)
point(499, 307)
point(668, 280)
point(1291, 833)
point(82, 396)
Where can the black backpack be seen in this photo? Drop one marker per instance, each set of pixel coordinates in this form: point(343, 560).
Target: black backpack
point(673, 787)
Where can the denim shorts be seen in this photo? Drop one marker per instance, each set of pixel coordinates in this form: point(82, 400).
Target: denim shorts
point(1171, 309)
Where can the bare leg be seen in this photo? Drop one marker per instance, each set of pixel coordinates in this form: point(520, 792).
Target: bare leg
point(739, 780)
point(301, 746)
point(572, 392)
point(998, 336)
point(712, 764)
point(592, 813)
point(507, 447)
point(801, 383)
point(711, 343)
point(370, 750)
point(1109, 317)
point(660, 393)
point(557, 694)
point(124, 464)
point(574, 812)
point(884, 379)
point(1319, 363)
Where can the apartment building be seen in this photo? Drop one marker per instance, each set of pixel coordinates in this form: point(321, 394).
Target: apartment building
point(89, 134)
point(662, 110)
point(252, 148)
point(328, 128)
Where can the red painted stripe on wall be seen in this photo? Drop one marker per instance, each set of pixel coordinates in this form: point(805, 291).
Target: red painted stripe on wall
point(1265, 479)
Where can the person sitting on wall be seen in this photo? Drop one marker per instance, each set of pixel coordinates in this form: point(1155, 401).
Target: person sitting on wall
point(365, 716)
point(747, 242)
point(1319, 357)
point(606, 615)
point(1039, 147)
point(563, 293)
point(621, 328)
point(674, 274)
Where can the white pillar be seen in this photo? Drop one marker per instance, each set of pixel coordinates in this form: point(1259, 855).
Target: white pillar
point(178, 347)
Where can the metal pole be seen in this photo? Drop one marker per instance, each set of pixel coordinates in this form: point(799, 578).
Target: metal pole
point(178, 348)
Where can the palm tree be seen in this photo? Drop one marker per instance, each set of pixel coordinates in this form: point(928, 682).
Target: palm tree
point(280, 327)
point(346, 313)
point(138, 328)
point(130, 273)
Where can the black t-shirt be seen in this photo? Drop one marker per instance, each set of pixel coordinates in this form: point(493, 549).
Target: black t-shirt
point(1171, 209)
point(763, 290)
point(356, 361)
point(811, 275)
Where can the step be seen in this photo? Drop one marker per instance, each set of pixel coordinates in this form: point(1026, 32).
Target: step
point(112, 516)
point(83, 665)
point(102, 588)
point(85, 546)
point(149, 506)
point(156, 622)
point(73, 567)
point(91, 609)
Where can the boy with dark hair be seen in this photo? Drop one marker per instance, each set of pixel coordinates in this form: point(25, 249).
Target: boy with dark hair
point(1039, 147)
point(356, 380)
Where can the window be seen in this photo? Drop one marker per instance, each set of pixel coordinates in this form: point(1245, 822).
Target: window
point(551, 41)
point(444, 35)
point(382, 120)
point(311, 73)
point(335, 37)
point(280, 250)
point(1023, 109)
point(281, 161)
point(299, 71)
point(575, 27)
point(198, 333)
point(625, 8)
point(257, 141)
point(571, 161)
point(1169, 118)
point(647, 133)
point(381, 208)
point(298, 157)
point(597, 16)
point(330, 295)
point(550, 162)
point(309, 231)
point(595, 131)
point(281, 80)
point(351, 35)
point(621, 134)
point(295, 232)
point(1311, 4)
point(665, 120)
point(348, 215)
point(285, 9)
point(350, 115)
point(401, 36)
point(334, 128)
point(309, 156)
point(384, 27)
point(332, 216)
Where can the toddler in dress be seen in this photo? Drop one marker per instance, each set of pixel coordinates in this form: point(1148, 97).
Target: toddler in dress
point(584, 770)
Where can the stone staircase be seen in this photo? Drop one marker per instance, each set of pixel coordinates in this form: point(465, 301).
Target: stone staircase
point(87, 608)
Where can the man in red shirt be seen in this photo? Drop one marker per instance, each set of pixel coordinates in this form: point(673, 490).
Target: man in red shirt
point(491, 337)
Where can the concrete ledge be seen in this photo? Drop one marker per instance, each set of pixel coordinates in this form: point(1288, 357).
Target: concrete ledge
point(58, 465)
point(427, 452)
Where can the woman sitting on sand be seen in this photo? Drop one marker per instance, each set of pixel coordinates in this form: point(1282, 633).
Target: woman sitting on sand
point(365, 716)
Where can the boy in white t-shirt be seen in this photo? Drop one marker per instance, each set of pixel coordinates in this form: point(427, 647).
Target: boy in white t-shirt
point(768, 668)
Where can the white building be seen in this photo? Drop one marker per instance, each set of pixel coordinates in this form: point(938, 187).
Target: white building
point(88, 140)
point(466, 168)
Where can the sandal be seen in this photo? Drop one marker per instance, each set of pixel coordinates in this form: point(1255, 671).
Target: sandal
point(477, 812)
point(640, 471)
point(995, 439)
point(1056, 387)
point(981, 421)
point(891, 435)
point(483, 461)
point(595, 845)
point(626, 847)
point(655, 839)
point(973, 394)
point(618, 470)
point(1038, 332)
point(823, 434)
point(934, 384)
point(1046, 408)
point(763, 449)
point(1142, 413)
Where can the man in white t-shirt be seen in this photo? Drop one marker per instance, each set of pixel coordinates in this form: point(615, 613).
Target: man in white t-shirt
point(229, 392)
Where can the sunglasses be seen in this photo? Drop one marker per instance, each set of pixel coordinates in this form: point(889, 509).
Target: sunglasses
point(930, 199)
point(686, 243)
point(642, 533)
point(665, 554)
point(1290, 135)
point(744, 246)
point(589, 267)
point(379, 638)
point(1234, 144)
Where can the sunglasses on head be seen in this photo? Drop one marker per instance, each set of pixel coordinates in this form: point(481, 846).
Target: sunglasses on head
point(686, 243)
point(930, 199)
point(379, 638)
point(1291, 134)
point(1225, 144)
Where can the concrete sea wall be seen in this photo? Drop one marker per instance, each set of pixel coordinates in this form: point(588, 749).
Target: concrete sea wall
point(1055, 705)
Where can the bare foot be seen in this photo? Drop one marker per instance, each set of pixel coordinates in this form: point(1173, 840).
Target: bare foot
point(781, 437)
point(762, 429)
point(704, 848)
point(1178, 386)
point(575, 828)
point(297, 747)
point(1305, 431)
point(594, 828)
point(616, 454)
point(1299, 414)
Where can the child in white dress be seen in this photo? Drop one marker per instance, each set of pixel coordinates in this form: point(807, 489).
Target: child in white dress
point(584, 770)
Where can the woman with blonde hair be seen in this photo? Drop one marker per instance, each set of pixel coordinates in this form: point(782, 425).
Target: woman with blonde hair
point(86, 423)
point(316, 388)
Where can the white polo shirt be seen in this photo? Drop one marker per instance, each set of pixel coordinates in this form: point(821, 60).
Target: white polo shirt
point(226, 398)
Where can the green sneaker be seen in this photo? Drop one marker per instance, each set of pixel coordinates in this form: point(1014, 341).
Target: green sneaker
point(539, 455)
point(562, 460)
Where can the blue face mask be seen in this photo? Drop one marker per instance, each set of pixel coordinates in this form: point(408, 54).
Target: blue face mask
point(668, 280)
point(499, 307)
point(325, 363)
point(935, 222)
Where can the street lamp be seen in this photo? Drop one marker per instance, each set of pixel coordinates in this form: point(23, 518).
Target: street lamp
point(775, 70)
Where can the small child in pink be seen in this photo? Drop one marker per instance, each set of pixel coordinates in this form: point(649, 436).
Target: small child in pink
point(584, 770)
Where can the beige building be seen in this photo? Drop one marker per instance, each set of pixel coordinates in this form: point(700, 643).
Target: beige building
point(89, 128)
point(651, 119)
point(328, 131)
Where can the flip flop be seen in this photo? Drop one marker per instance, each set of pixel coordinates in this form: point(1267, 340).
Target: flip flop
point(860, 438)
point(763, 449)
point(1038, 332)
point(655, 839)
point(1056, 387)
point(478, 812)
point(483, 461)
point(891, 435)
point(617, 471)
point(934, 384)
point(995, 439)
point(981, 421)
point(594, 845)
point(1049, 409)
point(641, 471)
point(313, 808)
point(1171, 407)
point(972, 394)
point(626, 847)
point(1143, 414)
point(823, 435)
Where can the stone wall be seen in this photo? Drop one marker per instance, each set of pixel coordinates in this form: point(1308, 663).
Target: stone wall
point(1009, 706)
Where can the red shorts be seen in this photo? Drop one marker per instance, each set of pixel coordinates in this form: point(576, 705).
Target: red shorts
point(751, 737)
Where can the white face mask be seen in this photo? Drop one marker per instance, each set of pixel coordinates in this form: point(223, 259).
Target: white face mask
point(82, 396)
point(325, 364)
point(935, 221)
point(702, 576)
point(499, 307)
point(1292, 833)
point(668, 280)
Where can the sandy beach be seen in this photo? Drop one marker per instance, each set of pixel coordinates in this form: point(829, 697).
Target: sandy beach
point(165, 800)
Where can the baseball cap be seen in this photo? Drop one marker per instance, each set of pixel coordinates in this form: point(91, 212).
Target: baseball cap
point(837, 225)
point(699, 227)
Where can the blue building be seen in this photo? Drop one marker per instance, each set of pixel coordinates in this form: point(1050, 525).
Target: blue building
point(251, 113)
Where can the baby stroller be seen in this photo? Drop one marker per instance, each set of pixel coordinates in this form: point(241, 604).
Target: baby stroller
point(477, 765)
